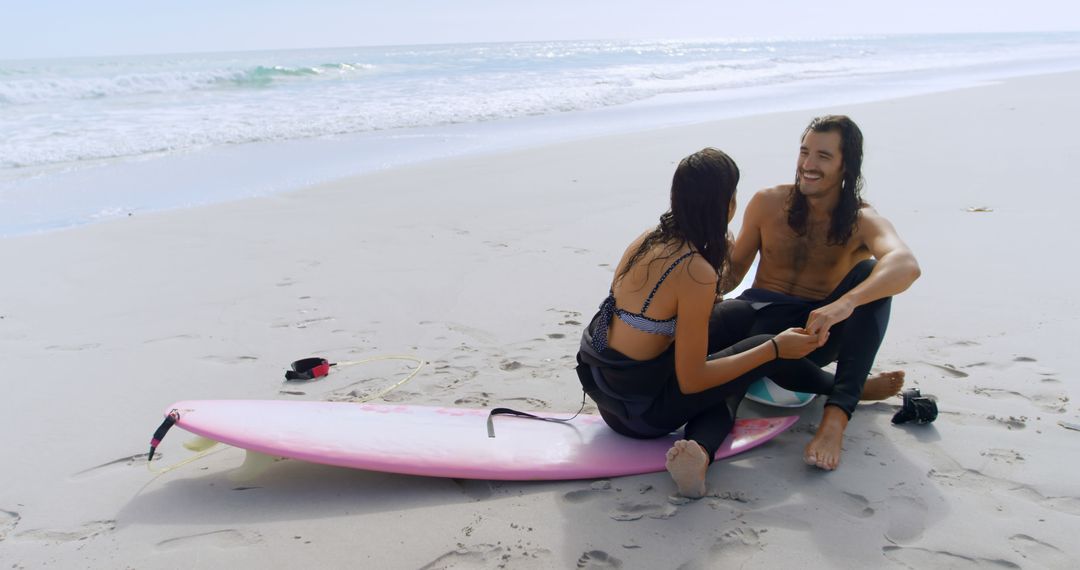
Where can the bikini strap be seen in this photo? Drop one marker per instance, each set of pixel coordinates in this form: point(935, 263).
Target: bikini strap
point(603, 321)
point(662, 277)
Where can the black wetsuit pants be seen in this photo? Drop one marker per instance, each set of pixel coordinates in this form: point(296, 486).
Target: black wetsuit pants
point(853, 343)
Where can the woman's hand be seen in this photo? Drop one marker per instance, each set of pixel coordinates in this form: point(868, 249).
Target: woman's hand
point(797, 343)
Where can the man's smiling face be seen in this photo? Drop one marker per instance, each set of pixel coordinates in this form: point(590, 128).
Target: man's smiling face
point(821, 166)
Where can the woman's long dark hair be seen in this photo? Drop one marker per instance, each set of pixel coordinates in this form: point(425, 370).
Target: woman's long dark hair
point(845, 217)
point(701, 193)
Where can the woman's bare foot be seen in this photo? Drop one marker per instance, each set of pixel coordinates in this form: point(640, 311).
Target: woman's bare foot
point(882, 386)
point(687, 462)
point(824, 450)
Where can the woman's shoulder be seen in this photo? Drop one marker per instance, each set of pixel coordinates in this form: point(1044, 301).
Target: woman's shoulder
point(698, 269)
point(688, 266)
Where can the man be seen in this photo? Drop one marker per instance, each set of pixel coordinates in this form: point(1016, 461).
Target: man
point(829, 263)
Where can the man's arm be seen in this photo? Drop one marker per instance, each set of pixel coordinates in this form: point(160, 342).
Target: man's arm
point(895, 271)
point(746, 245)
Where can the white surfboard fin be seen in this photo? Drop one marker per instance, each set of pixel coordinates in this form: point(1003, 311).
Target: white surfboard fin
point(255, 464)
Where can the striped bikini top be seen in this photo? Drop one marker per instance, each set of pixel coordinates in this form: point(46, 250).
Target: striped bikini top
point(639, 321)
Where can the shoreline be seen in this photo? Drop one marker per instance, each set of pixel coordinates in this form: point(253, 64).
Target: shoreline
point(477, 263)
point(55, 199)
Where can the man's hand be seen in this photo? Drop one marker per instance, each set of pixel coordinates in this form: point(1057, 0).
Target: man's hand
point(795, 343)
point(822, 319)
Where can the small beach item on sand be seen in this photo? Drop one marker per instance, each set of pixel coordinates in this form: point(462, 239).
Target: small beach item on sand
point(918, 408)
point(315, 367)
point(309, 369)
point(977, 209)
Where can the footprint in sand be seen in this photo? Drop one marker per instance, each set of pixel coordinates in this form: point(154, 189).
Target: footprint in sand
point(399, 396)
point(478, 400)
point(923, 558)
point(858, 505)
point(8, 521)
point(490, 556)
point(596, 489)
point(979, 482)
point(509, 365)
point(176, 337)
point(736, 547)
point(225, 538)
point(1011, 422)
point(1053, 403)
point(305, 323)
point(86, 531)
point(949, 369)
point(230, 359)
point(1010, 456)
point(476, 556)
point(907, 519)
point(363, 395)
point(735, 496)
point(567, 314)
point(632, 511)
point(473, 333)
point(1039, 552)
point(531, 403)
point(73, 347)
point(598, 559)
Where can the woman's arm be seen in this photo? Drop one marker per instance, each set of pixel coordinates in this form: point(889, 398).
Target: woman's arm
point(696, 286)
point(695, 292)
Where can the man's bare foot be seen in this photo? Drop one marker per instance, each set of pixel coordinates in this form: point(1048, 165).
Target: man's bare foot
point(687, 462)
point(824, 450)
point(882, 386)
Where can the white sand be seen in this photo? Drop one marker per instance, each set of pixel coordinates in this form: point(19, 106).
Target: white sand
point(477, 263)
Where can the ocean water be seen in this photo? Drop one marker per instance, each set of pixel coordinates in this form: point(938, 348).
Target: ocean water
point(88, 139)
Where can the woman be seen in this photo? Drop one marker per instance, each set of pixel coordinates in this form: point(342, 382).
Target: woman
point(648, 359)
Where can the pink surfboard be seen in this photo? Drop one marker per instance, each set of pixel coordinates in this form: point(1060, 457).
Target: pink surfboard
point(443, 442)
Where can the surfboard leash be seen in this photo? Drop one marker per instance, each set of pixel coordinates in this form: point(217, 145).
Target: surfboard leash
point(527, 415)
point(170, 420)
point(317, 367)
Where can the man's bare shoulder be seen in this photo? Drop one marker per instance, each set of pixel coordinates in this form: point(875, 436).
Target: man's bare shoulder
point(875, 231)
point(870, 218)
point(775, 193)
point(769, 200)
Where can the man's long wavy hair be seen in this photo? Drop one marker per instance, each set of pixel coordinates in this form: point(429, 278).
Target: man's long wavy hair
point(701, 193)
point(845, 217)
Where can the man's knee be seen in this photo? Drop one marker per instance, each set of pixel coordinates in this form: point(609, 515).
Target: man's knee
point(877, 312)
point(861, 271)
point(730, 322)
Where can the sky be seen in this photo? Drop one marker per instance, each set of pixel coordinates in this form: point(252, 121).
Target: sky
point(61, 28)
